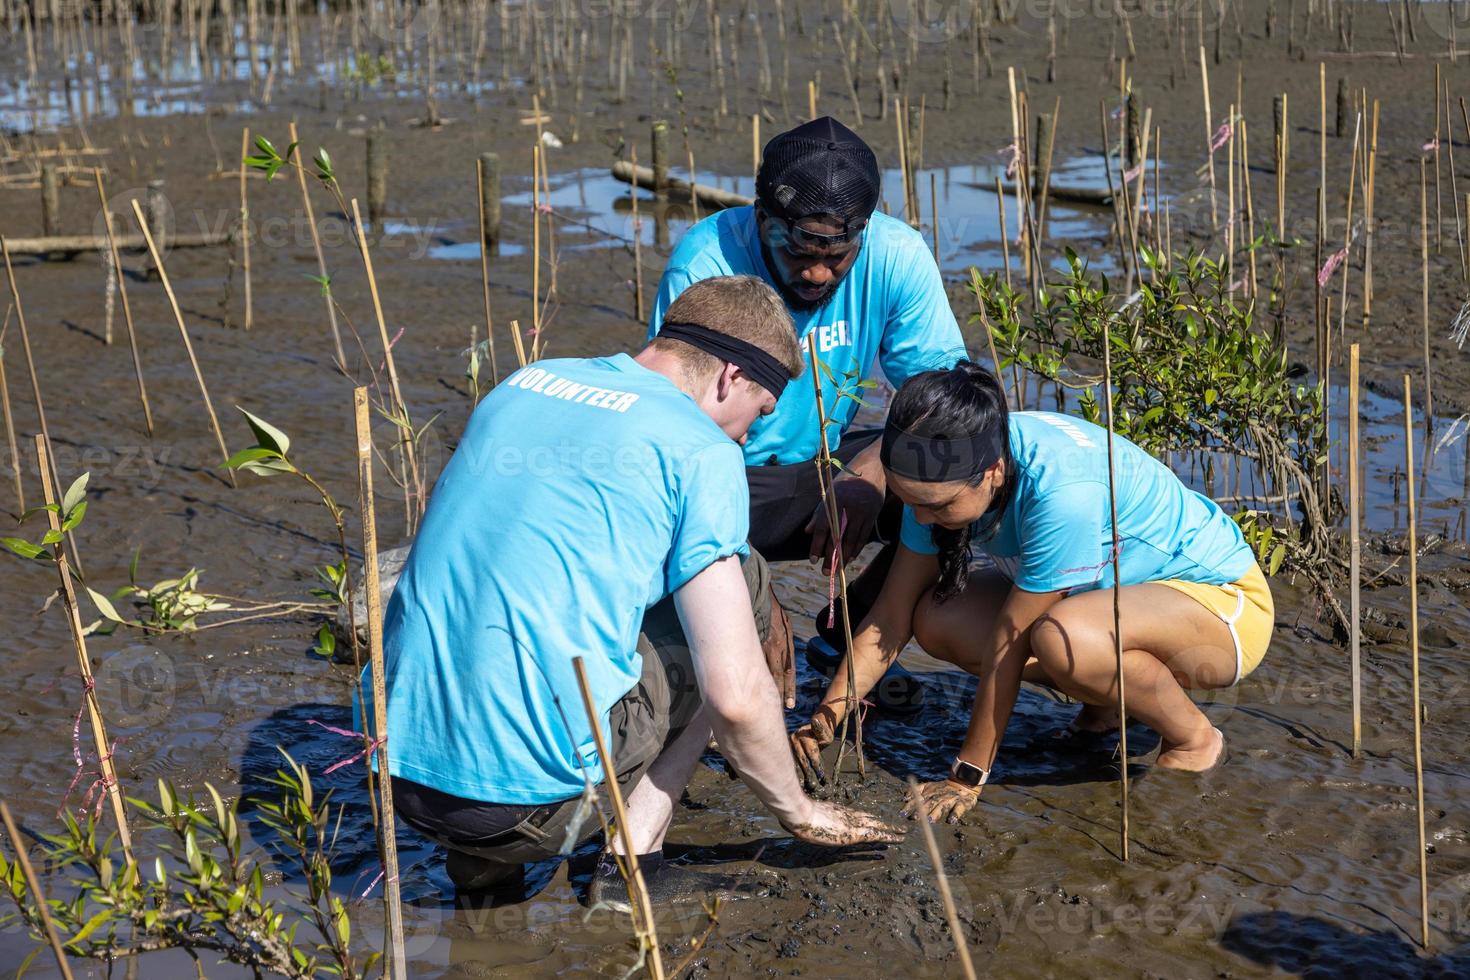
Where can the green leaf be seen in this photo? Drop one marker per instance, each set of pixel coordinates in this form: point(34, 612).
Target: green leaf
point(1277, 557)
point(326, 642)
point(24, 548)
point(74, 493)
point(51, 537)
point(25, 964)
point(104, 605)
point(251, 455)
point(74, 516)
point(90, 927)
point(267, 435)
point(268, 467)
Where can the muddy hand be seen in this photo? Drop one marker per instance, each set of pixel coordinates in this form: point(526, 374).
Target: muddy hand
point(780, 651)
point(807, 743)
point(834, 825)
point(859, 500)
point(941, 800)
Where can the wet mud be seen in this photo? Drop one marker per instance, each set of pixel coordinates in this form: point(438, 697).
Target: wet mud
point(1291, 858)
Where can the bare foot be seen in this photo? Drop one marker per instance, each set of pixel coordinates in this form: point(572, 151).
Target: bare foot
point(1192, 756)
point(1095, 720)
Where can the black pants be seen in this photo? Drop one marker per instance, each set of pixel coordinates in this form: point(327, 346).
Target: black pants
point(783, 499)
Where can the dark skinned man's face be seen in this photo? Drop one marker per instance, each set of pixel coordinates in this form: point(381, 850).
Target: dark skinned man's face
point(806, 274)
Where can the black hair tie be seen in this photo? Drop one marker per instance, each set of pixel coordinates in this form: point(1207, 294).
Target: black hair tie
point(758, 365)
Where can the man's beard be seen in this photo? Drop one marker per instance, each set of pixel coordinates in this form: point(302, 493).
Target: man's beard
point(794, 300)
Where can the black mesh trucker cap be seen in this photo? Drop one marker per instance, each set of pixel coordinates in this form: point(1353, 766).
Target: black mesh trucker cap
point(819, 168)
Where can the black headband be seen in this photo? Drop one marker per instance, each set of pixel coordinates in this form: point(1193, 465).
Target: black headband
point(927, 460)
point(758, 366)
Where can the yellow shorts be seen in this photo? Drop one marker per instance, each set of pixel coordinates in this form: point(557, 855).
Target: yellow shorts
point(1243, 605)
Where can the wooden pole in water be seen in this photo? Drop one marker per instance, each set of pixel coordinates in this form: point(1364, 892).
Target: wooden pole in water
point(219, 437)
point(1282, 143)
point(1424, 293)
point(942, 881)
point(100, 741)
point(853, 710)
point(122, 290)
point(487, 243)
point(637, 888)
point(245, 226)
point(388, 840)
point(811, 99)
point(1117, 593)
point(1413, 547)
point(1005, 245)
point(37, 895)
point(321, 262)
point(50, 200)
point(903, 158)
point(1438, 200)
point(660, 143)
point(1368, 219)
point(934, 211)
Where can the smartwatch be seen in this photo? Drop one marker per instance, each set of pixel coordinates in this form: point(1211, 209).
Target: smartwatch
point(967, 774)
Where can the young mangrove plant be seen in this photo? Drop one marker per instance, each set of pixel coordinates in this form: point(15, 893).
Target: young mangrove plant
point(1198, 381)
point(268, 458)
point(203, 891)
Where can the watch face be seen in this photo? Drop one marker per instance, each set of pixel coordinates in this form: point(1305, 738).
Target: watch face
point(970, 775)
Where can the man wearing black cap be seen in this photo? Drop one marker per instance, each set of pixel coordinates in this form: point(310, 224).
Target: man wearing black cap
point(867, 285)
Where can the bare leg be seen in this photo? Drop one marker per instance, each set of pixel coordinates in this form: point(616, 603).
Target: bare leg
point(651, 804)
point(1172, 643)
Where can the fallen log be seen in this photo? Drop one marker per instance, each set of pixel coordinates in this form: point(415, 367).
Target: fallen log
point(710, 196)
point(71, 244)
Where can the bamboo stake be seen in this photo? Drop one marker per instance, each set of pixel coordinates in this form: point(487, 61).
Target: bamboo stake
point(100, 741)
point(903, 157)
point(1322, 125)
point(1204, 75)
point(219, 437)
point(34, 884)
point(245, 226)
point(1413, 547)
point(1355, 550)
point(942, 881)
point(755, 143)
point(485, 268)
point(536, 240)
point(1005, 244)
point(1424, 294)
point(321, 262)
point(25, 342)
point(20, 491)
point(1438, 200)
point(122, 289)
point(637, 888)
point(811, 99)
point(1250, 208)
point(1368, 219)
point(934, 212)
point(405, 430)
point(637, 254)
point(853, 710)
point(1117, 589)
point(387, 840)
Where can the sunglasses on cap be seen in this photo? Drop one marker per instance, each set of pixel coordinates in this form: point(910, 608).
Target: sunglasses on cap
point(790, 235)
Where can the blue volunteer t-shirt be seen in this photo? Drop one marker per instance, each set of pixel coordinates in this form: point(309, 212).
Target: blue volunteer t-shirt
point(1057, 534)
point(890, 307)
point(583, 492)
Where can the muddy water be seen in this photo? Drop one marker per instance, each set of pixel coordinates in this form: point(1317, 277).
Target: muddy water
point(1291, 858)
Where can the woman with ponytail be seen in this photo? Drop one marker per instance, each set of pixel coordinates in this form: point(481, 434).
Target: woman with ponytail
point(1029, 491)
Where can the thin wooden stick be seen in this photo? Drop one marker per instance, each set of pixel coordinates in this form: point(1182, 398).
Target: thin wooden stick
point(934, 211)
point(942, 881)
point(637, 253)
point(1424, 294)
point(387, 839)
point(1368, 218)
point(321, 262)
point(34, 884)
point(853, 710)
point(122, 289)
point(25, 343)
point(536, 242)
point(245, 226)
point(637, 888)
point(100, 741)
point(485, 268)
point(755, 144)
point(1117, 590)
point(219, 437)
point(1204, 76)
point(20, 490)
point(405, 430)
point(1413, 546)
point(985, 320)
point(903, 157)
point(1005, 244)
point(1355, 550)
